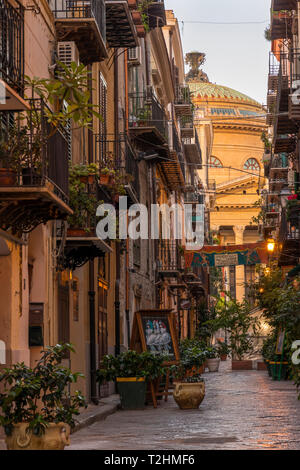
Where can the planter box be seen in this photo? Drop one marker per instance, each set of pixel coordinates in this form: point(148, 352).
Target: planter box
point(132, 393)
point(242, 365)
point(56, 437)
point(279, 371)
point(262, 366)
point(78, 232)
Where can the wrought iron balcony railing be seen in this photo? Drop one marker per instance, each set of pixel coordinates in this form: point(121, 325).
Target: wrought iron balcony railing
point(12, 44)
point(183, 104)
point(82, 21)
point(34, 178)
point(156, 14)
point(170, 260)
point(145, 111)
point(117, 155)
point(187, 127)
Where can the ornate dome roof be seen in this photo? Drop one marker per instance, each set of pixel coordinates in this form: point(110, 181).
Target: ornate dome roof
point(210, 90)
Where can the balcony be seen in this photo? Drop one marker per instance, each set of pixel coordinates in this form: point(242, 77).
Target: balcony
point(156, 14)
point(183, 104)
point(193, 197)
point(148, 123)
point(285, 143)
point(12, 56)
point(170, 262)
point(187, 127)
point(278, 5)
point(192, 150)
point(132, 168)
point(281, 25)
point(79, 244)
point(174, 167)
point(120, 27)
point(82, 21)
point(289, 237)
point(34, 173)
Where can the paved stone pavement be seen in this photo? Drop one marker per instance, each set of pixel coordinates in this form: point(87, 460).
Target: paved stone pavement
point(241, 410)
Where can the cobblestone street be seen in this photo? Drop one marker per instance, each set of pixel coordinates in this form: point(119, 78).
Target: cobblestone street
point(241, 410)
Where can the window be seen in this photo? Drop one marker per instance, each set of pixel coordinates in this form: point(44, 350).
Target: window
point(251, 164)
point(214, 162)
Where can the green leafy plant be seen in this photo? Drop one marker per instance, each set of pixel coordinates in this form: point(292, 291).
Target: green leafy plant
point(131, 364)
point(40, 396)
point(241, 325)
point(82, 202)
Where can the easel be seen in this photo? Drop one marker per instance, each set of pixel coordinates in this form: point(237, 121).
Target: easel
point(138, 343)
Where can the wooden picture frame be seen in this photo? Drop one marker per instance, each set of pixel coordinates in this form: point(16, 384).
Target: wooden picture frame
point(280, 342)
point(161, 340)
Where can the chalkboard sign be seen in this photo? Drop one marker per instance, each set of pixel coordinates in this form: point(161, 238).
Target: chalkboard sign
point(154, 331)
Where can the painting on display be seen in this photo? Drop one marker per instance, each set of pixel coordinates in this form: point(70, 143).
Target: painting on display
point(154, 331)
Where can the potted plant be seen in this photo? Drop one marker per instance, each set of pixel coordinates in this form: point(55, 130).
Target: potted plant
point(14, 146)
point(212, 359)
point(87, 174)
point(144, 115)
point(189, 388)
point(131, 371)
point(82, 201)
point(223, 350)
point(37, 410)
point(193, 356)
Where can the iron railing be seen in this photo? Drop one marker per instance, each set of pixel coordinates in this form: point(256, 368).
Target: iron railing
point(146, 111)
point(35, 151)
point(183, 95)
point(12, 44)
point(279, 161)
point(169, 257)
point(187, 122)
point(81, 9)
point(109, 152)
point(132, 169)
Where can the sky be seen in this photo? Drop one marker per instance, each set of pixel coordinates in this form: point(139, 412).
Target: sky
point(236, 55)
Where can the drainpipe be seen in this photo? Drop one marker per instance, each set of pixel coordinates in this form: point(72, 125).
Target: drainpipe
point(93, 366)
point(117, 247)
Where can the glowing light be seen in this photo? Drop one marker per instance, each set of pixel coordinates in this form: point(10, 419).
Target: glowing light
point(271, 245)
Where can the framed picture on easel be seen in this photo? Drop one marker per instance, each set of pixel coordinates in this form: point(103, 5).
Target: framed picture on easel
point(154, 331)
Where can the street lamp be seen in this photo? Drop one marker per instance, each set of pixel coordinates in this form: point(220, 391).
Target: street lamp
point(270, 245)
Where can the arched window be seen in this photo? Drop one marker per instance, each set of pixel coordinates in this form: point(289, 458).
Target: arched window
point(251, 164)
point(214, 162)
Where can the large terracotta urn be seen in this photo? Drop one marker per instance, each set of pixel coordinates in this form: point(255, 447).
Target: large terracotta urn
point(56, 437)
point(189, 396)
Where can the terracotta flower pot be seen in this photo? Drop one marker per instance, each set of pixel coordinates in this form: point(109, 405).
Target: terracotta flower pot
point(223, 357)
point(140, 29)
point(137, 17)
point(8, 177)
point(213, 364)
point(87, 179)
point(104, 179)
point(132, 3)
point(195, 371)
point(189, 396)
point(76, 232)
point(56, 437)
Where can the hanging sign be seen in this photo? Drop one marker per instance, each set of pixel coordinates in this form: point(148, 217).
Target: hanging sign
point(233, 255)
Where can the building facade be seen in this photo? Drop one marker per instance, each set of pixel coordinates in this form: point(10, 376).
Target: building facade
point(59, 281)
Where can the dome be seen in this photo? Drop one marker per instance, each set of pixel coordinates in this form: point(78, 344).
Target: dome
point(212, 91)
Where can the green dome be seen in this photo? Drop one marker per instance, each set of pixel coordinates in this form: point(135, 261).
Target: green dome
point(211, 90)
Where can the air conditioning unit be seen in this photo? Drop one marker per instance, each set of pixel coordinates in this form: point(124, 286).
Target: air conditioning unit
point(134, 55)
point(67, 52)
